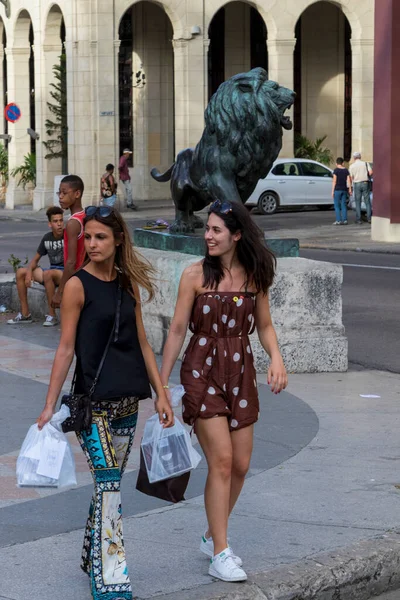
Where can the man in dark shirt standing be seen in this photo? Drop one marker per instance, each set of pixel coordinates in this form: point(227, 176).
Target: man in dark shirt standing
point(125, 178)
point(51, 244)
point(341, 186)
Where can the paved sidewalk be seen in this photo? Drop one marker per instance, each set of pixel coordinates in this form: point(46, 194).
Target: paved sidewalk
point(324, 479)
point(149, 209)
point(328, 237)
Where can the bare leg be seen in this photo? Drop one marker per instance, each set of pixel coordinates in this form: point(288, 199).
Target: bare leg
point(215, 440)
point(242, 446)
point(51, 280)
point(22, 291)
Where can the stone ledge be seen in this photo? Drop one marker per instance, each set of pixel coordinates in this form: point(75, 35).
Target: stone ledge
point(306, 308)
point(363, 570)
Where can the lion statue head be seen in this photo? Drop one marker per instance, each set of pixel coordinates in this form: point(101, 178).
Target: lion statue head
point(245, 117)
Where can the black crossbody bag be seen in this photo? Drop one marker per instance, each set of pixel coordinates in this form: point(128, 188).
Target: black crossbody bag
point(80, 405)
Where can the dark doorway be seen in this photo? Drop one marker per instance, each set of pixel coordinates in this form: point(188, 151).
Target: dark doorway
point(258, 51)
point(125, 82)
point(32, 89)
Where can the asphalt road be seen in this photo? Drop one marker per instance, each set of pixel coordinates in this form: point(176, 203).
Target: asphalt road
point(371, 297)
point(371, 288)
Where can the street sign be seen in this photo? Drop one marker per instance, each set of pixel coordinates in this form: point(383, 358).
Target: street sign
point(12, 112)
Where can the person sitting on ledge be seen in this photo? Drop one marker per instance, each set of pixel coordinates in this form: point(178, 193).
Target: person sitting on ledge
point(51, 244)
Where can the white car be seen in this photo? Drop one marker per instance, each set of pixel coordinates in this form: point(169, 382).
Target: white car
point(293, 182)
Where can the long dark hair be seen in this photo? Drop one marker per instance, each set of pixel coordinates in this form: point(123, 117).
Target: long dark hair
point(133, 268)
point(257, 260)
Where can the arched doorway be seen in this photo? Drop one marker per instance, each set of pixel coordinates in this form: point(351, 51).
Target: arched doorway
point(238, 43)
point(323, 77)
point(21, 90)
point(146, 93)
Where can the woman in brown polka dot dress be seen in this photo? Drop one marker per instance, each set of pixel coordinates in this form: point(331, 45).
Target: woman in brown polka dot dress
point(223, 299)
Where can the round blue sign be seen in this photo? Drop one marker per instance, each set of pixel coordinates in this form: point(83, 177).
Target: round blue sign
point(12, 112)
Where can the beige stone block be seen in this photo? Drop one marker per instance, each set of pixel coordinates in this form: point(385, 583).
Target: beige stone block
point(154, 142)
point(153, 157)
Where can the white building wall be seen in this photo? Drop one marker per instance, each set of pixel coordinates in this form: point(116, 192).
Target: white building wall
point(92, 51)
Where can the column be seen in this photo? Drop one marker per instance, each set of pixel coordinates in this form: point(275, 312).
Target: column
point(280, 60)
point(19, 92)
point(82, 110)
point(362, 96)
point(46, 57)
point(386, 217)
point(181, 66)
point(190, 90)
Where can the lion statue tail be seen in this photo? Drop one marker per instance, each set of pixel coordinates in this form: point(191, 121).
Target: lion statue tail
point(162, 177)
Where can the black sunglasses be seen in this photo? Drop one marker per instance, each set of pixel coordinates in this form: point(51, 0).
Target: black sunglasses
point(222, 207)
point(102, 211)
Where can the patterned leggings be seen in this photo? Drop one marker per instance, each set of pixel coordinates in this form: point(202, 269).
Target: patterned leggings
point(107, 449)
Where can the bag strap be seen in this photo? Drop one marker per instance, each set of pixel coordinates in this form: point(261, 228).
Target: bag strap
point(113, 335)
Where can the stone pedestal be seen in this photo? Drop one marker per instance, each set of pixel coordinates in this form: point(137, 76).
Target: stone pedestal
point(386, 217)
point(306, 308)
point(194, 244)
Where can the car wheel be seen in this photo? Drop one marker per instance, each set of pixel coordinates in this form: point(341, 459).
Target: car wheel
point(268, 203)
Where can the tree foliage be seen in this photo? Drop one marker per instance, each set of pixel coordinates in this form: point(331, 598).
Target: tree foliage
point(3, 165)
point(56, 126)
point(306, 148)
point(27, 171)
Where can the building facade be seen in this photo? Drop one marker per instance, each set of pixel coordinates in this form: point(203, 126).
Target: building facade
point(140, 74)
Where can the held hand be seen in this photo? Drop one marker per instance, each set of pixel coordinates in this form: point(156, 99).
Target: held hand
point(55, 303)
point(45, 417)
point(165, 412)
point(277, 376)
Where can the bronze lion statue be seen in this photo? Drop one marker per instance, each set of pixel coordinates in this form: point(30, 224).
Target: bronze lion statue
point(241, 140)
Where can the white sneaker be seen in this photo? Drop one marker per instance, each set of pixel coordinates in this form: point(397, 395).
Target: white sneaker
point(207, 548)
point(50, 321)
point(224, 567)
point(20, 320)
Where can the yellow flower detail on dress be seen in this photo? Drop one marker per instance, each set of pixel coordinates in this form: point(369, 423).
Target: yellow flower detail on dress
point(235, 298)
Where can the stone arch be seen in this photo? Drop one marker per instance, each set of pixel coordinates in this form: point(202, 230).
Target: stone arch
point(52, 27)
point(146, 92)
point(22, 28)
point(349, 9)
point(237, 42)
point(178, 28)
point(266, 16)
point(323, 76)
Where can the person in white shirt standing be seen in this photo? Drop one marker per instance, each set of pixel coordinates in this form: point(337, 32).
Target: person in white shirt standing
point(360, 173)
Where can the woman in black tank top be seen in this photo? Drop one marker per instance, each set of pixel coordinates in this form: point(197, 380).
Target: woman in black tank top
point(88, 313)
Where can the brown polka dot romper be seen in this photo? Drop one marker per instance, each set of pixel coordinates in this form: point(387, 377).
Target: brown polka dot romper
point(217, 371)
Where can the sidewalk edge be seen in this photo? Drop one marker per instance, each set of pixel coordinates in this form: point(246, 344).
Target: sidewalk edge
point(357, 572)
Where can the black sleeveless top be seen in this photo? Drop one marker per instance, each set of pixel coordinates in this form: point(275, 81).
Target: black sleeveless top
point(124, 370)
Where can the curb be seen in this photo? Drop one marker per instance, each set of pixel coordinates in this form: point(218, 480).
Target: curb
point(357, 572)
point(333, 248)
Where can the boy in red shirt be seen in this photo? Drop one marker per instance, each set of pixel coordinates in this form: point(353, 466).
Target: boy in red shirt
point(70, 194)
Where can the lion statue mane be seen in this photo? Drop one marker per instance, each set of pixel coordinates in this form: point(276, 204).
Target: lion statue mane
point(241, 140)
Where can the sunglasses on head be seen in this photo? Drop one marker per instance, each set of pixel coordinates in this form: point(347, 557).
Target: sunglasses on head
point(222, 207)
point(102, 211)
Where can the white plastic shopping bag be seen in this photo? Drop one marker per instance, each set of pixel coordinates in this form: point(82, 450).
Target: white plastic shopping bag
point(168, 452)
point(46, 458)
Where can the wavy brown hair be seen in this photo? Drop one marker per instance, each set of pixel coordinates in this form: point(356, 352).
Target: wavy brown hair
point(257, 260)
point(133, 267)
